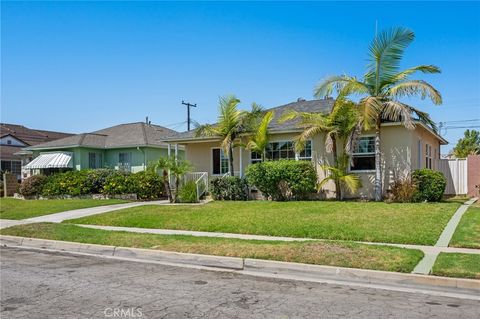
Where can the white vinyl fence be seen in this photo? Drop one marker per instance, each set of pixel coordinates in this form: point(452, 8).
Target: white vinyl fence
point(455, 171)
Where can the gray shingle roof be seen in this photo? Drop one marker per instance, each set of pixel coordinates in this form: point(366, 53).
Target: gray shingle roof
point(123, 135)
point(313, 106)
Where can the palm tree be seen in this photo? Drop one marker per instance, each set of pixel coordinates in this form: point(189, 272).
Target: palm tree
point(163, 164)
point(232, 122)
point(259, 140)
point(340, 124)
point(170, 166)
point(382, 87)
point(339, 174)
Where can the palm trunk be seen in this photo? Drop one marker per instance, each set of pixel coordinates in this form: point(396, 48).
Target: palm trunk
point(177, 185)
point(338, 189)
point(378, 162)
point(166, 185)
point(230, 160)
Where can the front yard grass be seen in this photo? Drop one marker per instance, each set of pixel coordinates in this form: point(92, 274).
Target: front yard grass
point(457, 265)
point(11, 208)
point(312, 252)
point(467, 234)
point(420, 223)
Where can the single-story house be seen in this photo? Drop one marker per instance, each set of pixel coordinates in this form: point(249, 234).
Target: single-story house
point(403, 150)
point(129, 147)
point(15, 137)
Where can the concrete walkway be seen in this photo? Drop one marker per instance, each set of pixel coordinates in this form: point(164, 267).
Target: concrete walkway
point(83, 212)
point(5, 223)
point(425, 265)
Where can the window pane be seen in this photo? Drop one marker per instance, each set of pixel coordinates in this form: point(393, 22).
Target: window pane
point(365, 144)
point(363, 163)
point(216, 161)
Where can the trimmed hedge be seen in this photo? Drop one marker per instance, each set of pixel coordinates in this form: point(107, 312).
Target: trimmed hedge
point(284, 179)
point(229, 188)
point(147, 185)
point(33, 185)
point(430, 185)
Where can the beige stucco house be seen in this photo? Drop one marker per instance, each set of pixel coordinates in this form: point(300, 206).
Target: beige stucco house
point(403, 150)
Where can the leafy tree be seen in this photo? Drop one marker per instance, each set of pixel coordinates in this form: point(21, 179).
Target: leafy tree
point(231, 123)
point(382, 87)
point(259, 139)
point(468, 145)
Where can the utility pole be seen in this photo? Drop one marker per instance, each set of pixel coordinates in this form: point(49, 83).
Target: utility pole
point(188, 112)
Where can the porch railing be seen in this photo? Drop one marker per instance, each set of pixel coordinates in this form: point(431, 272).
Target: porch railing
point(201, 182)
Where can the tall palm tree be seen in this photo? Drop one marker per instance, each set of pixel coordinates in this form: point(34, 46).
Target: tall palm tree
point(340, 124)
point(231, 123)
point(259, 140)
point(382, 87)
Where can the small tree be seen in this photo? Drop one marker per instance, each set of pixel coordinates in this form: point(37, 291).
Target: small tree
point(468, 145)
point(259, 140)
point(173, 167)
point(340, 176)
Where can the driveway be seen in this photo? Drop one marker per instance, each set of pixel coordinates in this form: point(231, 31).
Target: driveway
point(52, 285)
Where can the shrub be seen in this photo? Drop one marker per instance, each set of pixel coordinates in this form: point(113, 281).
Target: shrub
point(146, 184)
point(430, 185)
point(119, 183)
point(284, 179)
point(229, 188)
point(33, 185)
point(188, 192)
point(403, 190)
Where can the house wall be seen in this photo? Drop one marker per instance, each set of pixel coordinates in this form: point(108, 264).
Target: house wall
point(139, 157)
point(420, 138)
point(398, 149)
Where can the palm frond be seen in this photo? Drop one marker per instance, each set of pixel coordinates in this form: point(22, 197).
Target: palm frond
point(351, 182)
point(333, 83)
point(398, 112)
point(403, 75)
point(370, 108)
point(415, 88)
point(386, 51)
point(207, 130)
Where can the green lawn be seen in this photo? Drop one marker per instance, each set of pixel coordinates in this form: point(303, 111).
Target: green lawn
point(457, 265)
point(311, 252)
point(467, 233)
point(420, 223)
point(11, 208)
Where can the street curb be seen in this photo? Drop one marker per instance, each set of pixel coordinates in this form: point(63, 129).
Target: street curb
point(268, 268)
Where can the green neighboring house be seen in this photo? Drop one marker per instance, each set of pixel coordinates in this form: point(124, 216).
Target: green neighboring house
point(129, 147)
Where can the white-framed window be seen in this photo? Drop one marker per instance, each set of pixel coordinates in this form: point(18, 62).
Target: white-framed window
point(428, 156)
point(220, 162)
point(283, 150)
point(306, 154)
point(363, 156)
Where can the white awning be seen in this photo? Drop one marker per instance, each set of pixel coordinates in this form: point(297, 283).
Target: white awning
point(51, 160)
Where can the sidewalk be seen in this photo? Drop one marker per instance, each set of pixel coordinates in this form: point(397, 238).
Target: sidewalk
point(84, 212)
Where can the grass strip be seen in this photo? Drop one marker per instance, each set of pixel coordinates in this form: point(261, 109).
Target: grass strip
point(457, 265)
point(11, 208)
point(311, 252)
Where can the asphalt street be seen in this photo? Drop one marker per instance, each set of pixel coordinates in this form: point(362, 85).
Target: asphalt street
point(52, 285)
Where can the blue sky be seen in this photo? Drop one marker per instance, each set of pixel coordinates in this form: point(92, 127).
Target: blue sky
point(82, 66)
